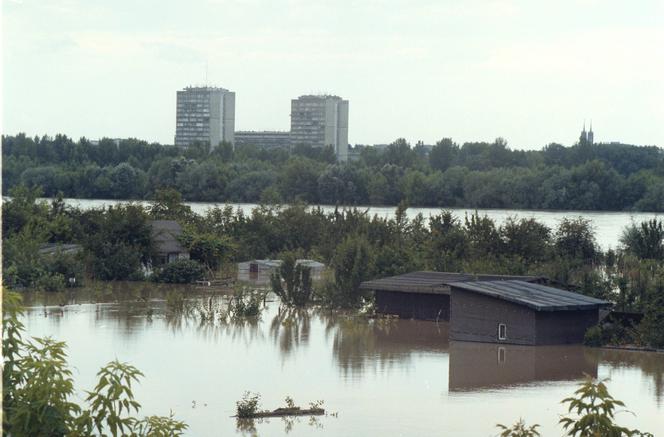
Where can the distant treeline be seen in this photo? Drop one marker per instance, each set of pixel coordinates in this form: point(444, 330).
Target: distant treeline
point(473, 175)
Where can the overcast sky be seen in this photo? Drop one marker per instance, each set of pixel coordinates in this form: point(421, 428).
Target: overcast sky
point(529, 71)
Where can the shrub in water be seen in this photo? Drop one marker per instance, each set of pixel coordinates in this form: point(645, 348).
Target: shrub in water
point(594, 336)
point(519, 429)
point(182, 271)
point(297, 279)
point(248, 405)
point(245, 303)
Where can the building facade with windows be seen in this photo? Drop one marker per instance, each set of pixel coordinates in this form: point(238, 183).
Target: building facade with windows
point(205, 115)
point(319, 121)
point(263, 139)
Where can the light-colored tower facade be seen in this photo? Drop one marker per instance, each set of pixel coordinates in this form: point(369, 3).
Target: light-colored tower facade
point(205, 115)
point(319, 121)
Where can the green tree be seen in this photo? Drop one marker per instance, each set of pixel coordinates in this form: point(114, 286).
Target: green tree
point(352, 265)
point(443, 154)
point(296, 278)
point(645, 240)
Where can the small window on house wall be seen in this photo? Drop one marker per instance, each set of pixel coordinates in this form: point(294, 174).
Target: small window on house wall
point(502, 331)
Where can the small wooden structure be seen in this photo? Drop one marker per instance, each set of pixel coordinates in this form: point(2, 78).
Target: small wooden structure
point(518, 312)
point(490, 308)
point(423, 295)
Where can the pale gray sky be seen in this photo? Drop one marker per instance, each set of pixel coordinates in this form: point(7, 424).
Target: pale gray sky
point(529, 71)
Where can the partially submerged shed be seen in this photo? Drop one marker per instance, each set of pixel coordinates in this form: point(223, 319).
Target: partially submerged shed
point(423, 295)
point(519, 312)
point(490, 308)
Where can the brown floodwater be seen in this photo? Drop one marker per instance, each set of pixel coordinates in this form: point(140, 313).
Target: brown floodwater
point(382, 377)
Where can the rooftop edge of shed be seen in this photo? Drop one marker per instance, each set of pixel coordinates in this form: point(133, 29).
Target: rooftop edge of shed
point(536, 296)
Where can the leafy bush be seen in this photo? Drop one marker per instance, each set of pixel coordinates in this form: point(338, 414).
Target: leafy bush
point(352, 265)
point(595, 409)
point(38, 390)
point(594, 336)
point(67, 265)
point(297, 279)
point(51, 282)
point(519, 429)
point(248, 405)
point(245, 303)
point(182, 271)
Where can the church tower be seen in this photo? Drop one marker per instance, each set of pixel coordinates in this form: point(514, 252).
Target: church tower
point(583, 139)
point(591, 135)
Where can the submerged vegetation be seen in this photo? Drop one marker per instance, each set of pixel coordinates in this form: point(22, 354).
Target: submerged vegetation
point(248, 408)
point(116, 243)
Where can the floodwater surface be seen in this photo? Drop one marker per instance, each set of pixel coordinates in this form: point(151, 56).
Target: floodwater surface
point(382, 377)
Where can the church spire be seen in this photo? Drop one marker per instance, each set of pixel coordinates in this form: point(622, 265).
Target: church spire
point(583, 139)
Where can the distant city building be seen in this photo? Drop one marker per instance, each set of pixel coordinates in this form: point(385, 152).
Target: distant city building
point(587, 137)
point(205, 115)
point(320, 121)
point(115, 141)
point(263, 139)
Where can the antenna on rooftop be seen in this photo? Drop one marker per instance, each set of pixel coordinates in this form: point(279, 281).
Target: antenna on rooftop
point(206, 73)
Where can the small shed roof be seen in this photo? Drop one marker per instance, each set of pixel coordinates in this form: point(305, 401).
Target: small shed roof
point(53, 248)
point(536, 296)
point(165, 234)
point(432, 282)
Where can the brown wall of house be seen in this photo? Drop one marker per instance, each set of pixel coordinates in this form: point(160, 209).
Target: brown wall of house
point(413, 305)
point(474, 317)
point(564, 327)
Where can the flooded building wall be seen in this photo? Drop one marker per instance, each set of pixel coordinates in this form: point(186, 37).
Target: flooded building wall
point(564, 327)
point(474, 317)
point(422, 306)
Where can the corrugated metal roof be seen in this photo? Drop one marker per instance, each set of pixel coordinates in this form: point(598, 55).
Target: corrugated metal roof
point(431, 282)
point(536, 296)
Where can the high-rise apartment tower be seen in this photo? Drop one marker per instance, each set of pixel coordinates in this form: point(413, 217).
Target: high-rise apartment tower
point(205, 115)
point(319, 121)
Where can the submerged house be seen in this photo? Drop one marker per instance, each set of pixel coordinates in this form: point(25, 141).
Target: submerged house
point(490, 308)
point(423, 295)
point(165, 234)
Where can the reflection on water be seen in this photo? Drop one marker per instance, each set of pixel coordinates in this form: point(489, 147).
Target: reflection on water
point(384, 376)
point(476, 366)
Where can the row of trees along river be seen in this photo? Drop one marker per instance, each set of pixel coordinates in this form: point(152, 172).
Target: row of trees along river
point(607, 177)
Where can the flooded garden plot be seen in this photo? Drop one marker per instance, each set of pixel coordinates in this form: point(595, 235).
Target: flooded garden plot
point(375, 376)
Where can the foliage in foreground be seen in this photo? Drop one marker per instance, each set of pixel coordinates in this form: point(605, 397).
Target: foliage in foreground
point(519, 429)
point(595, 411)
point(591, 413)
point(38, 390)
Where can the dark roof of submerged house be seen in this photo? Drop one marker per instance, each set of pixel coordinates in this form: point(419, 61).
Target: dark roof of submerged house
point(536, 296)
point(165, 234)
point(433, 282)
